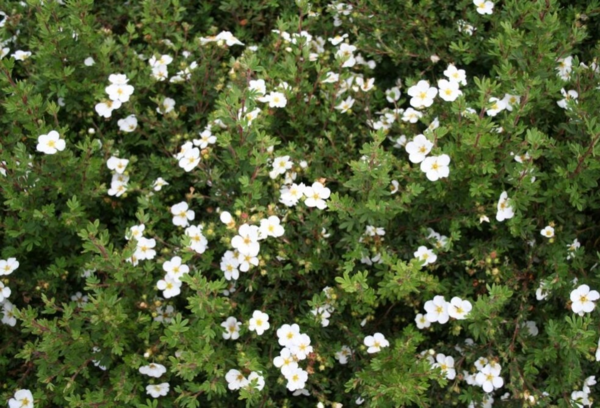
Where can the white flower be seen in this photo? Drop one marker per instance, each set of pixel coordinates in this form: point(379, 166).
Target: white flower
point(246, 242)
point(422, 94)
point(8, 316)
point(182, 215)
point(117, 188)
point(228, 38)
point(411, 115)
point(235, 380)
point(280, 166)
point(116, 164)
point(4, 292)
point(22, 399)
point(258, 86)
point(288, 334)
point(489, 378)
point(8, 266)
point(232, 328)
point(275, 100)
point(21, 55)
point(484, 7)
point(345, 53)
point(153, 370)
point(580, 399)
point(105, 108)
point(365, 86)
point(531, 327)
point(393, 94)
point(260, 380)
point(418, 148)
point(426, 255)
point(564, 68)
point(163, 60)
point(331, 78)
point(292, 194)
point(598, 351)
point(437, 310)
point(285, 361)
point(316, 195)
point(159, 183)
point(455, 75)
point(496, 105)
point(78, 298)
point(88, 62)
point(337, 39)
point(571, 248)
point(422, 322)
point(583, 299)
point(166, 106)
point(129, 124)
point(50, 143)
point(458, 308)
point(190, 159)
point(118, 79)
point(229, 265)
point(375, 343)
point(449, 90)
point(157, 390)
point(259, 322)
point(436, 167)
point(271, 227)
point(343, 354)
point(226, 218)
point(198, 242)
point(345, 105)
point(446, 364)
point(170, 286)
point(296, 378)
point(541, 293)
point(144, 248)
point(119, 92)
point(505, 210)
point(174, 268)
point(511, 101)
point(548, 232)
point(206, 138)
point(571, 95)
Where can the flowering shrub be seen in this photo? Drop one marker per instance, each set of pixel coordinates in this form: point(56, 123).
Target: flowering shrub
point(296, 204)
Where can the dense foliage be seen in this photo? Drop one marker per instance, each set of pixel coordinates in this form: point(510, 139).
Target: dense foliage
point(299, 204)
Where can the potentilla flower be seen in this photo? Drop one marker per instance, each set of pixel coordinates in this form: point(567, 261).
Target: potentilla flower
point(288, 334)
point(331, 78)
point(422, 322)
point(365, 85)
point(190, 159)
point(411, 115)
point(117, 188)
point(571, 248)
point(144, 249)
point(271, 227)
point(118, 79)
point(458, 308)
point(162, 60)
point(436, 167)
point(165, 315)
point(259, 322)
point(153, 370)
point(174, 268)
point(541, 293)
point(584, 300)
point(505, 210)
point(280, 166)
point(548, 232)
point(170, 286)
point(8, 266)
point(489, 379)
point(89, 61)
point(157, 390)
point(446, 364)
point(21, 399)
point(296, 378)
point(128, 124)
point(159, 183)
point(235, 380)
point(345, 105)
point(206, 138)
point(50, 143)
point(260, 380)
point(343, 355)
point(437, 310)
point(495, 106)
point(182, 215)
point(580, 399)
point(292, 194)
point(166, 106)
point(316, 195)
point(346, 54)
point(4, 292)
point(426, 255)
point(564, 67)
point(285, 361)
point(511, 101)
point(274, 99)
point(246, 242)
point(484, 7)
point(393, 94)
point(227, 38)
point(571, 95)
point(229, 265)
point(258, 86)
point(449, 90)
point(116, 164)
point(301, 347)
point(375, 343)
point(324, 313)
point(232, 328)
point(21, 55)
point(8, 313)
point(422, 94)
point(531, 327)
point(119, 91)
point(78, 298)
point(105, 108)
point(198, 242)
point(418, 148)
point(455, 75)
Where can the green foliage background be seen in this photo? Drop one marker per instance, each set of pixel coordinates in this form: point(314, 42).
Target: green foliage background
point(58, 220)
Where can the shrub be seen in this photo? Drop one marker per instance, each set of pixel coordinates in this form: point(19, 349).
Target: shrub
point(297, 204)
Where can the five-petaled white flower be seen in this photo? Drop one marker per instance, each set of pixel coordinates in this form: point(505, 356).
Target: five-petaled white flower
point(446, 364)
point(8, 266)
point(182, 215)
point(505, 209)
point(375, 343)
point(246, 242)
point(436, 167)
point(548, 232)
point(437, 310)
point(422, 94)
point(584, 299)
point(458, 308)
point(50, 143)
point(489, 378)
point(484, 7)
point(426, 255)
point(259, 322)
point(345, 105)
point(316, 195)
point(296, 378)
point(232, 328)
point(116, 164)
point(153, 370)
point(128, 124)
point(449, 90)
point(418, 148)
point(422, 322)
point(170, 286)
point(22, 399)
point(235, 380)
point(175, 268)
point(157, 390)
point(271, 227)
point(275, 100)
